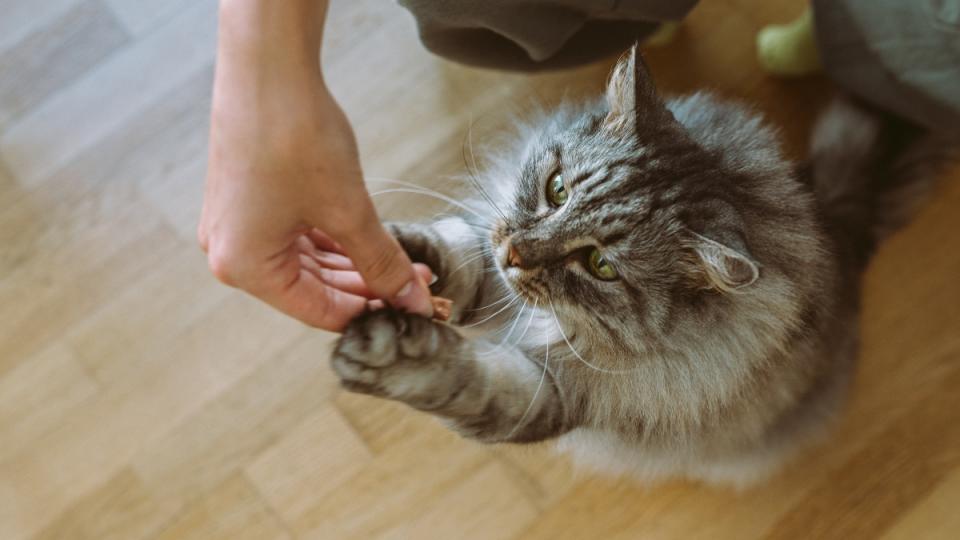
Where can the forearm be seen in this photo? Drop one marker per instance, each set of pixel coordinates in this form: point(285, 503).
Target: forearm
point(268, 56)
point(285, 199)
point(254, 31)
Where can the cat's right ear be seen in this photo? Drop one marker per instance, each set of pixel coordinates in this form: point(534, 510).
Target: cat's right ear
point(631, 95)
point(724, 266)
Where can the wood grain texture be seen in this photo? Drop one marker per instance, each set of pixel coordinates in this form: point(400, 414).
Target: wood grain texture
point(141, 400)
point(142, 16)
point(67, 124)
point(23, 17)
point(54, 55)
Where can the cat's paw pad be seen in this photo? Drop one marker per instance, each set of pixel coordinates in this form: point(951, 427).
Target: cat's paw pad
point(396, 355)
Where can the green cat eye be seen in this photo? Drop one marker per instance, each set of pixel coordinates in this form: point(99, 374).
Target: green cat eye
point(599, 266)
point(556, 191)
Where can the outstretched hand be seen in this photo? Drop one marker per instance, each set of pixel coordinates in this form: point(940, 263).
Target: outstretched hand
point(286, 216)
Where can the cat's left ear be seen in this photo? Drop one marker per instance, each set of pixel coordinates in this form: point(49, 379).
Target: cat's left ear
point(631, 95)
point(724, 265)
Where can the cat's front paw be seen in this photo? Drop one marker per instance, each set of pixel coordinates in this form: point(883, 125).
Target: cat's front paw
point(400, 356)
point(423, 245)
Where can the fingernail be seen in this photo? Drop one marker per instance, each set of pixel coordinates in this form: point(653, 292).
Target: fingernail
point(433, 279)
point(415, 298)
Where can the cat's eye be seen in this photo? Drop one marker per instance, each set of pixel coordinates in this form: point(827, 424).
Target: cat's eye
point(556, 191)
point(599, 267)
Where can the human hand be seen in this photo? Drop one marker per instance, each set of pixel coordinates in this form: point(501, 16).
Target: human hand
point(286, 216)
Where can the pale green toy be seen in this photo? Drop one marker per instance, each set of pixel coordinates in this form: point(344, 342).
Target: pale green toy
point(789, 50)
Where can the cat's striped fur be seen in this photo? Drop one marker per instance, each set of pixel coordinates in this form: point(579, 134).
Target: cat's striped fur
point(728, 340)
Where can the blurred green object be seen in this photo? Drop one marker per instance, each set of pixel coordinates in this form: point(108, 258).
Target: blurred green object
point(901, 55)
point(789, 50)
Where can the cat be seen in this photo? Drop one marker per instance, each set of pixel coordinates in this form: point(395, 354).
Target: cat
point(651, 283)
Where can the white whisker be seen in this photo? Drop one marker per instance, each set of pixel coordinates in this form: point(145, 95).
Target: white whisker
point(516, 320)
point(500, 346)
point(497, 302)
point(471, 224)
point(475, 257)
point(480, 226)
point(523, 334)
point(476, 236)
point(499, 311)
point(574, 351)
point(472, 173)
point(536, 394)
point(441, 196)
point(429, 194)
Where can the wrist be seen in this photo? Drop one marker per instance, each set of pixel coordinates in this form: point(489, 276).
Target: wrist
point(268, 60)
point(281, 36)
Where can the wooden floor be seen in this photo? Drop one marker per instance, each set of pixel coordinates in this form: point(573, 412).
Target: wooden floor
point(140, 399)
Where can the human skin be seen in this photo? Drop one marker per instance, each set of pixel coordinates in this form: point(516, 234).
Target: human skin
point(286, 215)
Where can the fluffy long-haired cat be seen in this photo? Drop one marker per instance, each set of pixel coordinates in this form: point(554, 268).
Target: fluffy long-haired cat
point(650, 282)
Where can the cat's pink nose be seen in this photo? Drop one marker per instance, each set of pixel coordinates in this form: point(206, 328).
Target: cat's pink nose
point(513, 258)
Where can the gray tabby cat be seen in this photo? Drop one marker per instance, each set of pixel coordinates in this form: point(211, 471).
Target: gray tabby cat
point(651, 282)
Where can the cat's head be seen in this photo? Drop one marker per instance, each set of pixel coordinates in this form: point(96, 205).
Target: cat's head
point(619, 219)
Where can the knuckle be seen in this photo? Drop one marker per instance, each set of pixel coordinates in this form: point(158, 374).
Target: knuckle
point(223, 267)
point(202, 238)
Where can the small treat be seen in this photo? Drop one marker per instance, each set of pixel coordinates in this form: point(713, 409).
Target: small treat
point(442, 308)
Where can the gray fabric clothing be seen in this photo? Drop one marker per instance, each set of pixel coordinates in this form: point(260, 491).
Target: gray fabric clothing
point(537, 34)
point(903, 56)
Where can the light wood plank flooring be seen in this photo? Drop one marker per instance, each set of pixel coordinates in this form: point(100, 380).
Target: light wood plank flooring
point(140, 399)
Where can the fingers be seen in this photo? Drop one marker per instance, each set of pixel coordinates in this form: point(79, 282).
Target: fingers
point(291, 284)
point(317, 304)
point(296, 288)
point(386, 269)
point(324, 242)
point(424, 273)
point(329, 303)
point(322, 256)
point(349, 280)
point(320, 288)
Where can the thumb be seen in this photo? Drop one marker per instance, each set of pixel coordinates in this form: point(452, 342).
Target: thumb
point(386, 269)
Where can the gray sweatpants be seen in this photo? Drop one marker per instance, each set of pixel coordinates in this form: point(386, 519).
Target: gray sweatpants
point(537, 34)
point(902, 55)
